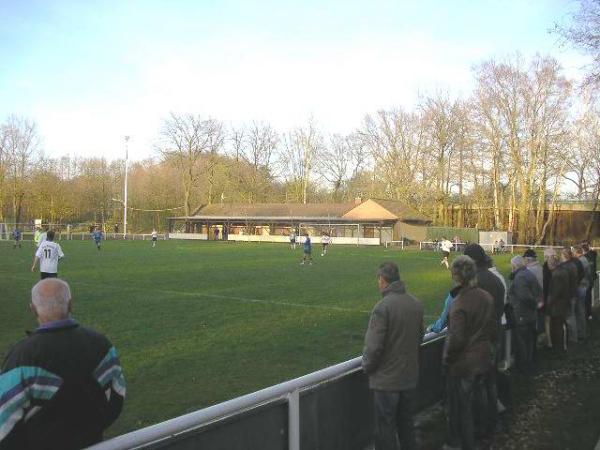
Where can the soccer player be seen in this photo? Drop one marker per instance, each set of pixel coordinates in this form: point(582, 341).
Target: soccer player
point(48, 254)
point(446, 246)
point(97, 235)
point(39, 237)
point(293, 240)
point(154, 237)
point(307, 251)
point(17, 237)
point(325, 241)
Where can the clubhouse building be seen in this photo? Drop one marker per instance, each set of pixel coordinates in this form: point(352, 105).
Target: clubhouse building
point(370, 222)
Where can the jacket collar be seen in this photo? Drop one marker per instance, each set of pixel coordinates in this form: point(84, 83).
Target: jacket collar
point(57, 325)
point(397, 287)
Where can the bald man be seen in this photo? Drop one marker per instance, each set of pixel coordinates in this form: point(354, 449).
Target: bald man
point(62, 385)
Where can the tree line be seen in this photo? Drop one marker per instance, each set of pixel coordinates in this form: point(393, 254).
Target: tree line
point(500, 157)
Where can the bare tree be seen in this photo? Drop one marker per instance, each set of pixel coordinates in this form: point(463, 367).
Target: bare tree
point(395, 142)
point(301, 146)
point(185, 139)
point(442, 120)
point(341, 161)
point(20, 145)
point(584, 33)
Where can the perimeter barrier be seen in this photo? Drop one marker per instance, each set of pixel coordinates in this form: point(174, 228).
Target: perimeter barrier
point(328, 409)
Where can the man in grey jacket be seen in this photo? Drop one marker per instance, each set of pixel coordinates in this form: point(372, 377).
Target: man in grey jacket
point(391, 359)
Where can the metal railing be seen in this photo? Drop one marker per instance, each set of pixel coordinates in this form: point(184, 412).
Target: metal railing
point(492, 248)
point(330, 408)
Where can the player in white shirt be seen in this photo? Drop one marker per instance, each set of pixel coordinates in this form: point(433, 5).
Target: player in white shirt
point(154, 237)
point(325, 240)
point(48, 254)
point(446, 246)
point(293, 240)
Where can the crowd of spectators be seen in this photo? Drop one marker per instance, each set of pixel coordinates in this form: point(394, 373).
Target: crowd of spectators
point(545, 305)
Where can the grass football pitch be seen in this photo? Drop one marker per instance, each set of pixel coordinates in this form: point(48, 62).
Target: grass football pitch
point(197, 323)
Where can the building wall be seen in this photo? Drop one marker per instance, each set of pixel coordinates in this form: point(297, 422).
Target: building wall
point(415, 233)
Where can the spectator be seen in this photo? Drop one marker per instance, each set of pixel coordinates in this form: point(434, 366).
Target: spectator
point(592, 257)
point(533, 265)
point(523, 295)
point(468, 353)
point(442, 322)
point(494, 284)
point(575, 271)
point(391, 359)
point(64, 382)
point(501, 244)
point(558, 299)
point(582, 289)
point(487, 280)
point(549, 254)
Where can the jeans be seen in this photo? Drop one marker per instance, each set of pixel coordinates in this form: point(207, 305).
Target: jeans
point(394, 428)
point(572, 322)
point(588, 300)
point(461, 392)
point(525, 342)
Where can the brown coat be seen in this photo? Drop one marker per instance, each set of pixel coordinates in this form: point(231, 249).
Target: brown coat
point(560, 292)
point(471, 333)
point(393, 339)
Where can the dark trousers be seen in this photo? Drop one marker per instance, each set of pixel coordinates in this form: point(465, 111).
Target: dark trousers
point(588, 301)
point(44, 275)
point(557, 333)
point(485, 404)
point(394, 428)
point(461, 392)
point(525, 342)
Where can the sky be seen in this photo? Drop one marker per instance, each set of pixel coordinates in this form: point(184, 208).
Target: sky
point(90, 72)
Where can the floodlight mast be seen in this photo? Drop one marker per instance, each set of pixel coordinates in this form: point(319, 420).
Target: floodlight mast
point(125, 187)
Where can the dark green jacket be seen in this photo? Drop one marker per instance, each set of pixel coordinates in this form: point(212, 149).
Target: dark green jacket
point(393, 339)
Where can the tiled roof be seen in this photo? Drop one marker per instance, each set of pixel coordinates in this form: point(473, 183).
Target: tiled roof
point(276, 209)
point(402, 210)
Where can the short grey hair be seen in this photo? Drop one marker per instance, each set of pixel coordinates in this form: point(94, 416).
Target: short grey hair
point(518, 261)
point(553, 261)
point(464, 271)
point(51, 297)
point(389, 272)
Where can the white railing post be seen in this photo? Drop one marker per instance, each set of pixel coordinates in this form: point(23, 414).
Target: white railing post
point(294, 420)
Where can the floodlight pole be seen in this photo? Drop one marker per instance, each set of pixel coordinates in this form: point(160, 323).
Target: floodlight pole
point(125, 188)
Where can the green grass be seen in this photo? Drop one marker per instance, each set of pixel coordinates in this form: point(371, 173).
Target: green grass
point(197, 323)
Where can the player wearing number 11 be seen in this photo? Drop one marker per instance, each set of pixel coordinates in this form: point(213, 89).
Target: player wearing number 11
point(48, 254)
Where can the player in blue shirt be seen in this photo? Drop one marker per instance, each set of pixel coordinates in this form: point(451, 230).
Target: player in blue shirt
point(97, 235)
point(307, 250)
point(17, 237)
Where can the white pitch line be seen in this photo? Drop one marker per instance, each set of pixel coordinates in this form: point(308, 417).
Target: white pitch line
point(253, 300)
point(273, 302)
